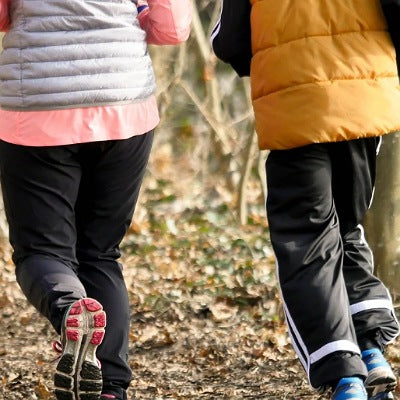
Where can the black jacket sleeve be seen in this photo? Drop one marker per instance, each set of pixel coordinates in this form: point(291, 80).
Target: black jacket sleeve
point(391, 9)
point(231, 37)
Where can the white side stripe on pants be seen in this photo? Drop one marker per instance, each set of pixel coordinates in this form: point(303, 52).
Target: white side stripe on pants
point(217, 27)
point(339, 345)
point(370, 305)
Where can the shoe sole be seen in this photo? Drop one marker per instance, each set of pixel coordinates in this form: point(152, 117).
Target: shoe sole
point(379, 381)
point(78, 375)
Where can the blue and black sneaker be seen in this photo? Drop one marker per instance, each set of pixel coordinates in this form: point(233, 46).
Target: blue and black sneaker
point(381, 379)
point(351, 388)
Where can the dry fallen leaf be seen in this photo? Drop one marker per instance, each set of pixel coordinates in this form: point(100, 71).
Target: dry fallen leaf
point(42, 391)
point(221, 311)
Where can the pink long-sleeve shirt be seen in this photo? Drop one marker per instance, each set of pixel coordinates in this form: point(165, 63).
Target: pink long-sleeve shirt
point(165, 22)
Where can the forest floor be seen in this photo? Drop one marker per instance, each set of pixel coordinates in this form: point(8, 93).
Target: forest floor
point(207, 321)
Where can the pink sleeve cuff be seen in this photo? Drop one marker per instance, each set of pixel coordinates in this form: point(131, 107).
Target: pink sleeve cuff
point(165, 21)
point(4, 17)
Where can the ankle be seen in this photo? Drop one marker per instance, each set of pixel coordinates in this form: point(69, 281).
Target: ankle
point(370, 340)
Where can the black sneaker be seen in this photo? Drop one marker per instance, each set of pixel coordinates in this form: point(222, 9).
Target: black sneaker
point(78, 372)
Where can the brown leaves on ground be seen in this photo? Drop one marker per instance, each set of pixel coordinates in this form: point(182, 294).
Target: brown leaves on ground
point(207, 322)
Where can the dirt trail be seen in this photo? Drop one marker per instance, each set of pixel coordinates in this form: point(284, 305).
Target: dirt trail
point(175, 354)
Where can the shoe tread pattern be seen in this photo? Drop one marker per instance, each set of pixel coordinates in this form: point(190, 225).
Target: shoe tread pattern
point(78, 375)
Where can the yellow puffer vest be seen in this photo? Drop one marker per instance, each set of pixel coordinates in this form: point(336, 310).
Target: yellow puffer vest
point(322, 71)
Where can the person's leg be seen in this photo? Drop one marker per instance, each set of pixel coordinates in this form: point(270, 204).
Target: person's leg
point(40, 187)
point(305, 235)
point(370, 303)
point(112, 176)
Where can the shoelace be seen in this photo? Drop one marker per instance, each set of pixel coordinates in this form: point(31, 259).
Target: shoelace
point(57, 347)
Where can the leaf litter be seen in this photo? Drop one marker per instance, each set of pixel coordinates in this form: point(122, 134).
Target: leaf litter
point(206, 320)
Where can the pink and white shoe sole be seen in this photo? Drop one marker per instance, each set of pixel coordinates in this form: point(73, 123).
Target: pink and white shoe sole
point(78, 373)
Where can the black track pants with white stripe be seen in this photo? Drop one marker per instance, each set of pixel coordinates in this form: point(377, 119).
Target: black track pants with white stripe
point(317, 198)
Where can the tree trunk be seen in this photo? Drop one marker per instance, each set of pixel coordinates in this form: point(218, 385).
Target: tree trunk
point(383, 219)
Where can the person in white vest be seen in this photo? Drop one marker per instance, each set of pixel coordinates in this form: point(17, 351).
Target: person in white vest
point(77, 114)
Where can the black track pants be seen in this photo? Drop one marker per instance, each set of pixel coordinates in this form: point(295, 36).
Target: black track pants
point(317, 198)
point(68, 208)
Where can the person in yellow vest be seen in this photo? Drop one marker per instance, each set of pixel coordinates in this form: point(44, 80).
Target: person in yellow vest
point(325, 88)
